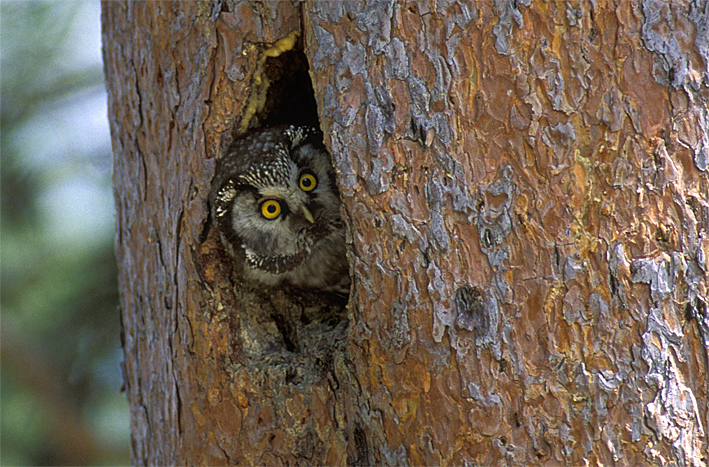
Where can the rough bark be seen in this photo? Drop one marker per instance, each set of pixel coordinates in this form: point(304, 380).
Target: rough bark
point(526, 192)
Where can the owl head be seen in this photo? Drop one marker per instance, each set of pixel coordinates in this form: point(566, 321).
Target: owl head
point(277, 207)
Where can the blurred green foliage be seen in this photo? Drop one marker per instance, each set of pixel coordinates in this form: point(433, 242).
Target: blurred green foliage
point(60, 381)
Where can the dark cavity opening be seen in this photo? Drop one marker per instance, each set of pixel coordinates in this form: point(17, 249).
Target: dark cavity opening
point(290, 98)
point(287, 325)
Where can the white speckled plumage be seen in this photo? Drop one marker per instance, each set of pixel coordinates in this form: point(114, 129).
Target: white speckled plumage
point(304, 244)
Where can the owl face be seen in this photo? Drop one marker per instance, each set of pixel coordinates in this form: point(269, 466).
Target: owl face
point(277, 206)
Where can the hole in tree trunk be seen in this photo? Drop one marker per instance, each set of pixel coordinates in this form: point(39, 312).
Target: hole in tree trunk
point(292, 321)
point(290, 98)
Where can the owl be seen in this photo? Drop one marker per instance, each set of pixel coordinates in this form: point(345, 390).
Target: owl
point(277, 208)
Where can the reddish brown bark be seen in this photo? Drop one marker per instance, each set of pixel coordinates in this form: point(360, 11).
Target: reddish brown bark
point(525, 185)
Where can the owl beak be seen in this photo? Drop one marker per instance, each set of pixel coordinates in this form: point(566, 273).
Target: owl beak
point(308, 215)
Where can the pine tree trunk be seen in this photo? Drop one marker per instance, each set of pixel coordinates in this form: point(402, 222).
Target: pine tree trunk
point(526, 193)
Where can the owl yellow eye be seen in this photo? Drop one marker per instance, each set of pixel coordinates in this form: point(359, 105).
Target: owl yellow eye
point(308, 182)
point(270, 209)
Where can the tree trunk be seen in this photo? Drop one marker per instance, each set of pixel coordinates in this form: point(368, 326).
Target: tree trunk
point(527, 200)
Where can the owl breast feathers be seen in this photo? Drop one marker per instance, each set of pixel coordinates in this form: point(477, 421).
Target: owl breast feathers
point(277, 208)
